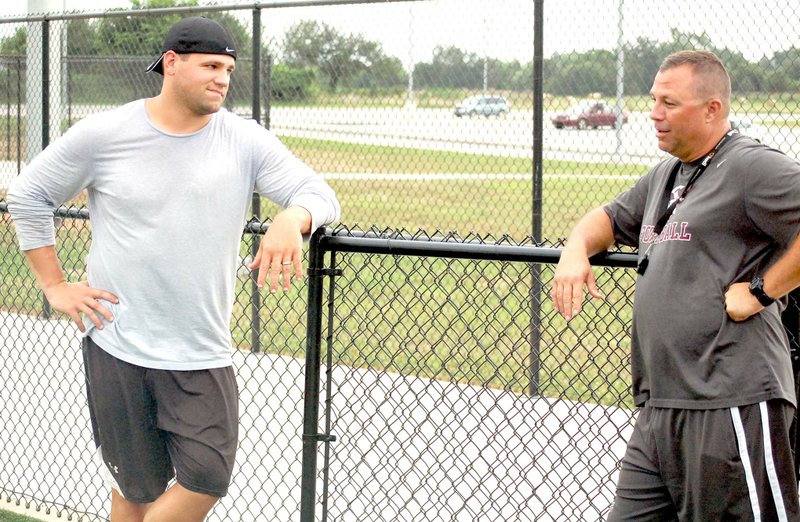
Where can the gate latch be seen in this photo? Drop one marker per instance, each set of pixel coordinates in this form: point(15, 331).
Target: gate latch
point(320, 437)
point(317, 272)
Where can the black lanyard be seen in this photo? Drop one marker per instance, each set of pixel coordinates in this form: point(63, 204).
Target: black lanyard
point(669, 209)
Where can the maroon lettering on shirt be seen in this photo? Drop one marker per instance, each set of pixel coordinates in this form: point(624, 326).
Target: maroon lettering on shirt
point(677, 231)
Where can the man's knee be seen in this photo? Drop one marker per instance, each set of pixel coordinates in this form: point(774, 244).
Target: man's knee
point(180, 504)
point(209, 474)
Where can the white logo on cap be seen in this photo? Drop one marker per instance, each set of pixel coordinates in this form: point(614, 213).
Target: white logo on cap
point(229, 50)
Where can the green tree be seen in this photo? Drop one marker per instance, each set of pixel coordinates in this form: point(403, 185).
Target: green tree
point(579, 74)
point(450, 67)
point(144, 35)
point(82, 38)
point(138, 35)
point(778, 81)
point(783, 70)
point(643, 58)
point(745, 76)
point(508, 76)
point(14, 45)
point(293, 84)
point(339, 58)
point(642, 61)
point(384, 71)
point(140, 39)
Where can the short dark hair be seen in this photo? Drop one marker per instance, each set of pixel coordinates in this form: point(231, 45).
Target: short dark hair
point(707, 64)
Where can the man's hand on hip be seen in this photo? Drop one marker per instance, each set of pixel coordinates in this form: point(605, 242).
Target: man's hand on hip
point(740, 303)
point(75, 299)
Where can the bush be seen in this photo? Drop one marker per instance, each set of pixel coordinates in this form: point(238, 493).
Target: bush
point(294, 83)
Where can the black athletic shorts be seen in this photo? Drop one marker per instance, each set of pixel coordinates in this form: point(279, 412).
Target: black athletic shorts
point(709, 465)
point(152, 425)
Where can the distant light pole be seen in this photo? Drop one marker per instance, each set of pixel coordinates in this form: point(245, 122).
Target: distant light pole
point(620, 79)
point(43, 81)
point(485, 75)
point(485, 57)
point(410, 99)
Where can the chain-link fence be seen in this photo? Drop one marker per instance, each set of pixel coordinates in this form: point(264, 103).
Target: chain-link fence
point(452, 389)
point(45, 437)
point(413, 377)
point(416, 110)
point(455, 392)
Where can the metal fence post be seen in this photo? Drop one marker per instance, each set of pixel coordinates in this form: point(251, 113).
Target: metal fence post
point(8, 110)
point(536, 196)
point(312, 379)
point(268, 91)
point(256, 72)
point(255, 293)
point(47, 311)
point(19, 114)
point(328, 438)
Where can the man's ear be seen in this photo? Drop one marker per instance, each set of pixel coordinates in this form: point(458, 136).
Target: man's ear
point(713, 109)
point(168, 63)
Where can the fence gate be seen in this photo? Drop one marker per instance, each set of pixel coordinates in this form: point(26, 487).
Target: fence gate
point(424, 381)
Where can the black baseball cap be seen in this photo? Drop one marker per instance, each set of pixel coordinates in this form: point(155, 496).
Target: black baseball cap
point(196, 34)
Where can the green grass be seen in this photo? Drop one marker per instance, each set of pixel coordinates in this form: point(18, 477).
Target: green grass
point(772, 103)
point(464, 205)
point(787, 123)
point(8, 516)
point(9, 134)
point(338, 157)
point(461, 321)
point(453, 320)
point(741, 103)
point(469, 206)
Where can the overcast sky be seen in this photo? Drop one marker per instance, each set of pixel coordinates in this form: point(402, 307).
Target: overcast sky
point(503, 28)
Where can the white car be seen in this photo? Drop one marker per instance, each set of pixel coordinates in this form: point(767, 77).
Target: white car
point(483, 106)
point(746, 126)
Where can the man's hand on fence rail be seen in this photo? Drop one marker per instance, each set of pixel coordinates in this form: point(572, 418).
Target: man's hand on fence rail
point(592, 235)
point(280, 252)
point(572, 272)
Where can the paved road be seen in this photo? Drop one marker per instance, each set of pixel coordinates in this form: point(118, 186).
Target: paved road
point(440, 129)
point(511, 136)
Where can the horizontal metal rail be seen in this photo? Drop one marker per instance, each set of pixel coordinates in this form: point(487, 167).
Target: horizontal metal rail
point(399, 244)
point(395, 244)
point(155, 11)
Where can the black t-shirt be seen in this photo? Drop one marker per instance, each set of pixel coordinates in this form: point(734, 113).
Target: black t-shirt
point(737, 219)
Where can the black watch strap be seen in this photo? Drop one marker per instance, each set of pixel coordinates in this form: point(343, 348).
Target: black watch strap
point(757, 289)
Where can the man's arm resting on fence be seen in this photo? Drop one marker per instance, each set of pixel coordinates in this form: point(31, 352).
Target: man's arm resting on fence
point(72, 299)
point(280, 251)
point(593, 234)
point(779, 280)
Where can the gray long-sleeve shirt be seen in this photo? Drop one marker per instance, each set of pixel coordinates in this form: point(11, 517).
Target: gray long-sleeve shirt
point(167, 217)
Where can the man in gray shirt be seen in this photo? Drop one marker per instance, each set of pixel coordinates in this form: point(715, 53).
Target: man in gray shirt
point(716, 392)
point(169, 181)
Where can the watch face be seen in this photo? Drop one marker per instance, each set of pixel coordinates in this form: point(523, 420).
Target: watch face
point(757, 289)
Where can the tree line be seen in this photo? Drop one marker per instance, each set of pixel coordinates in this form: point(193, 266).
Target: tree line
point(313, 57)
